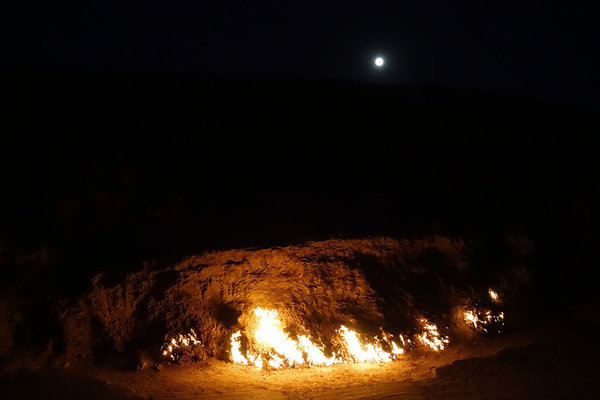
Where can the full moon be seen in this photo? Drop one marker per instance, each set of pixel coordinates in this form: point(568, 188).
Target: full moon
point(379, 61)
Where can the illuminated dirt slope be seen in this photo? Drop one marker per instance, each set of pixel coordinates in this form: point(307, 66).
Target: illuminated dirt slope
point(364, 284)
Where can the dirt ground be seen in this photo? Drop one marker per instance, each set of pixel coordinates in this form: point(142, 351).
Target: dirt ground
point(540, 362)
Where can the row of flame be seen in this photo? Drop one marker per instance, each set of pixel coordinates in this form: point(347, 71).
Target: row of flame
point(275, 349)
point(483, 319)
point(172, 349)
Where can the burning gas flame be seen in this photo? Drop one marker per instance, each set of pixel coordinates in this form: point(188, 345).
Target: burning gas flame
point(485, 319)
point(256, 360)
point(471, 317)
point(270, 335)
point(315, 354)
point(269, 346)
point(494, 296)
point(276, 349)
point(431, 336)
point(279, 349)
point(173, 349)
point(236, 355)
point(367, 353)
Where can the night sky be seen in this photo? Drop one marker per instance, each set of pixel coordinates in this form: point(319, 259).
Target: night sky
point(545, 49)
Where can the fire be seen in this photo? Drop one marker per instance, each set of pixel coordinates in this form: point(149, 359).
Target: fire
point(431, 336)
point(280, 349)
point(494, 296)
point(397, 350)
point(276, 349)
point(367, 353)
point(471, 317)
point(485, 319)
point(267, 345)
point(315, 354)
point(177, 346)
point(270, 335)
point(256, 360)
point(236, 355)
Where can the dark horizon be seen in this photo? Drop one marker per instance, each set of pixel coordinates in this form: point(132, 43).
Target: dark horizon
point(419, 91)
point(543, 50)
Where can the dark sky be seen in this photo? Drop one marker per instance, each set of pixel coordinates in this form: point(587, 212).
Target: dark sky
point(548, 49)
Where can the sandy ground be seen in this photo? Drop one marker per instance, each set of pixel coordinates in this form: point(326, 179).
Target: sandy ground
point(538, 363)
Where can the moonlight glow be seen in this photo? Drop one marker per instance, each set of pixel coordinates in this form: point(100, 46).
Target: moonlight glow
point(379, 62)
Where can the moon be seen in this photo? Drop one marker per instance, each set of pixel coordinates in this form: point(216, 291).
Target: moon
point(379, 62)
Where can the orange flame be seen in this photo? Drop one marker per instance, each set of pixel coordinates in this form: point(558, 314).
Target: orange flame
point(279, 350)
point(173, 349)
point(270, 347)
point(494, 296)
point(483, 319)
point(431, 336)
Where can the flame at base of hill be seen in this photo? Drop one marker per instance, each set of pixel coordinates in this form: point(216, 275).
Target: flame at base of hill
point(320, 304)
point(269, 346)
point(489, 319)
point(267, 343)
point(316, 287)
point(178, 346)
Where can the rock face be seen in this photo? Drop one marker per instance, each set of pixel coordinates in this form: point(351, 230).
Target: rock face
point(366, 284)
point(317, 286)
